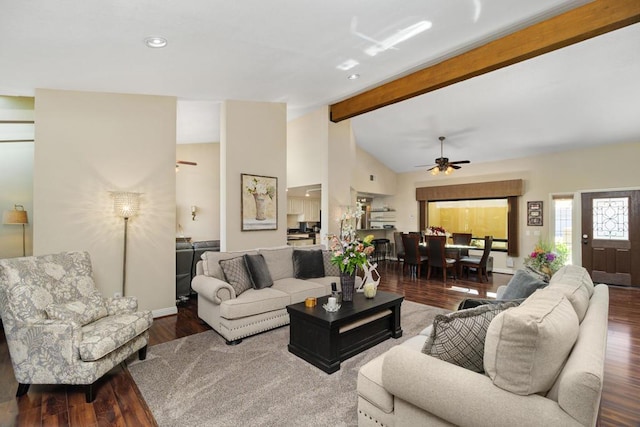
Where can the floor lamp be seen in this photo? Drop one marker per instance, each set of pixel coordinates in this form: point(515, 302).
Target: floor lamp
point(17, 216)
point(125, 205)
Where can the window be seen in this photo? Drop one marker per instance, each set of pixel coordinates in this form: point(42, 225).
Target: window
point(484, 217)
point(563, 213)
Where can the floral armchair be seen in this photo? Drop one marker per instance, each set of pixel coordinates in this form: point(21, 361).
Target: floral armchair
point(59, 328)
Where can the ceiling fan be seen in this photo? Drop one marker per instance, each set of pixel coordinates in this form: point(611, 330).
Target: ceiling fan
point(184, 162)
point(442, 164)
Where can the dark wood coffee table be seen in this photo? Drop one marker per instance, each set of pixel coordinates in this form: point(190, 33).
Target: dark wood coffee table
point(325, 339)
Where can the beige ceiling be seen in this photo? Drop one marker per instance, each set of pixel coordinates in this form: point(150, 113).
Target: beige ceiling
point(289, 51)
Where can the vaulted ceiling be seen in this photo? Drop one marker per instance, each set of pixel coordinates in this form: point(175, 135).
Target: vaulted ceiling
point(301, 53)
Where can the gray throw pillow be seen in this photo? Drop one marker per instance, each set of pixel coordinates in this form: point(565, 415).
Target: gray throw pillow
point(258, 271)
point(236, 274)
point(522, 285)
point(329, 269)
point(308, 264)
point(459, 337)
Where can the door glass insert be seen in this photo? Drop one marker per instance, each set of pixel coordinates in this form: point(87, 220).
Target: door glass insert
point(611, 218)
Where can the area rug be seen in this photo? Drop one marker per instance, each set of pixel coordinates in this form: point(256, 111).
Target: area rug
point(200, 381)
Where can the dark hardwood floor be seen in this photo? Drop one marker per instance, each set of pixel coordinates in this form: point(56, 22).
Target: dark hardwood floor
point(119, 403)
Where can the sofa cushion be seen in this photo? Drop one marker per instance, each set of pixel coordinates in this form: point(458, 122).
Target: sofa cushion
point(101, 337)
point(279, 261)
point(254, 301)
point(82, 311)
point(308, 264)
point(527, 346)
point(576, 293)
point(370, 385)
point(459, 337)
point(522, 284)
point(258, 271)
point(574, 273)
point(329, 268)
point(236, 274)
point(211, 262)
point(298, 289)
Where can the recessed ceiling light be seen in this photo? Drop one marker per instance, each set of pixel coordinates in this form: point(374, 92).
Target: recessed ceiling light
point(353, 76)
point(155, 41)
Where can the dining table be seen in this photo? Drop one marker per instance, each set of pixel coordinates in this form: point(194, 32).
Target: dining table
point(452, 251)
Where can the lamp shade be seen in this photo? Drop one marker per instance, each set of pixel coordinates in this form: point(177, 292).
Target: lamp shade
point(125, 204)
point(15, 216)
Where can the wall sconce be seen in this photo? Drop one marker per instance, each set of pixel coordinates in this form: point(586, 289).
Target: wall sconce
point(193, 213)
point(125, 205)
point(17, 216)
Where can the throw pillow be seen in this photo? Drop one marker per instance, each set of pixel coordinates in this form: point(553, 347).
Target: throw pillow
point(279, 261)
point(308, 264)
point(459, 337)
point(82, 311)
point(236, 274)
point(527, 347)
point(572, 273)
point(329, 269)
point(258, 271)
point(522, 285)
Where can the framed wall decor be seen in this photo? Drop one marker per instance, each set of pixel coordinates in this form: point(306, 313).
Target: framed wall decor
point(259, 198)
point(534, 213)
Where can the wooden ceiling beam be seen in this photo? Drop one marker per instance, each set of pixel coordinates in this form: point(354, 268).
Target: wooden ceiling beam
point(579, 24)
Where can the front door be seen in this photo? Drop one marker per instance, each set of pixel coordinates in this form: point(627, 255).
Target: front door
point(611, 237)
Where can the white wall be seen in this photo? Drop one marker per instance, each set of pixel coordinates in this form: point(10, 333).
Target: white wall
point(89, 144)
point(198, 186)
point(384, 179)
point(605, 167)
point(306, 139)
point(253, 140)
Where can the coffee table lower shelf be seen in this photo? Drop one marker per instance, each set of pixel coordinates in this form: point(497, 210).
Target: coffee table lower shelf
point(325, 339)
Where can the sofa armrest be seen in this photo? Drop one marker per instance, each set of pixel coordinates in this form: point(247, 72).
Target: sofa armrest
point(34, 345)
point(213, 289)
point(122, 305)
point(461, 396)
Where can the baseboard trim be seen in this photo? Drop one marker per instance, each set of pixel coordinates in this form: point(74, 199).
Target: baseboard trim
point(504, 270)
point(161, 312)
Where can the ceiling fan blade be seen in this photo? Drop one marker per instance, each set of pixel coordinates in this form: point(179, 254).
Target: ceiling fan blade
point(460, 162)
point(424, 166)
point(184, 162)
point(454, 166)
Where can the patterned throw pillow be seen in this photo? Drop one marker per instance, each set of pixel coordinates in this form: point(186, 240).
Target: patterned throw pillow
point(329, 269)
point(236, 274)
point(458, 337)
point(83, 311)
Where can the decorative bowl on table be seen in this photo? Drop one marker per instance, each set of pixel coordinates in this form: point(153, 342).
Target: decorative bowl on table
point(331, 309)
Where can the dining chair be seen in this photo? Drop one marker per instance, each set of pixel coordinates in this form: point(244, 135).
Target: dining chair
point(397, 240)
point(412, 256)
point(478, 263)
point(437, 257)
point(462, 239)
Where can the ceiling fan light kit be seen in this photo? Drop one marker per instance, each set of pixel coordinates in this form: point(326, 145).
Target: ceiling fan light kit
point(442, 164)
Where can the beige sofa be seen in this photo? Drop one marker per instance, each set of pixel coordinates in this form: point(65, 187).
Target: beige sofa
point(405, 387)
point(256, 310)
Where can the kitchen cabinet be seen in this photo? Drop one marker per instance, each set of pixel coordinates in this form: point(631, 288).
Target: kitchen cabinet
point(383, 218)
point(311, 210)
point(295, 206)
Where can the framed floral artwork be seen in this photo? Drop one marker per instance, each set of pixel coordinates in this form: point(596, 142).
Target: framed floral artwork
point(534, 213)
point(259, 198)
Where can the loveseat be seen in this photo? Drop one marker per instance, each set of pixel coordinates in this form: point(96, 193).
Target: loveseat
point(236, 309)
point(543, 366)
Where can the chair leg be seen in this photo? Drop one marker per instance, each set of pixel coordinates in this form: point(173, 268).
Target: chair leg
point(142, 353)
point(88, 393)
point(22, 389)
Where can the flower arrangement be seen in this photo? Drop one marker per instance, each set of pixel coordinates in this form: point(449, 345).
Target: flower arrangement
point(348, 252)
point(260, 188)
point(436, 231)
point(546, 258)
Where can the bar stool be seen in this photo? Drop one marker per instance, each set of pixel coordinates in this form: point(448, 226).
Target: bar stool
point(381, 248)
